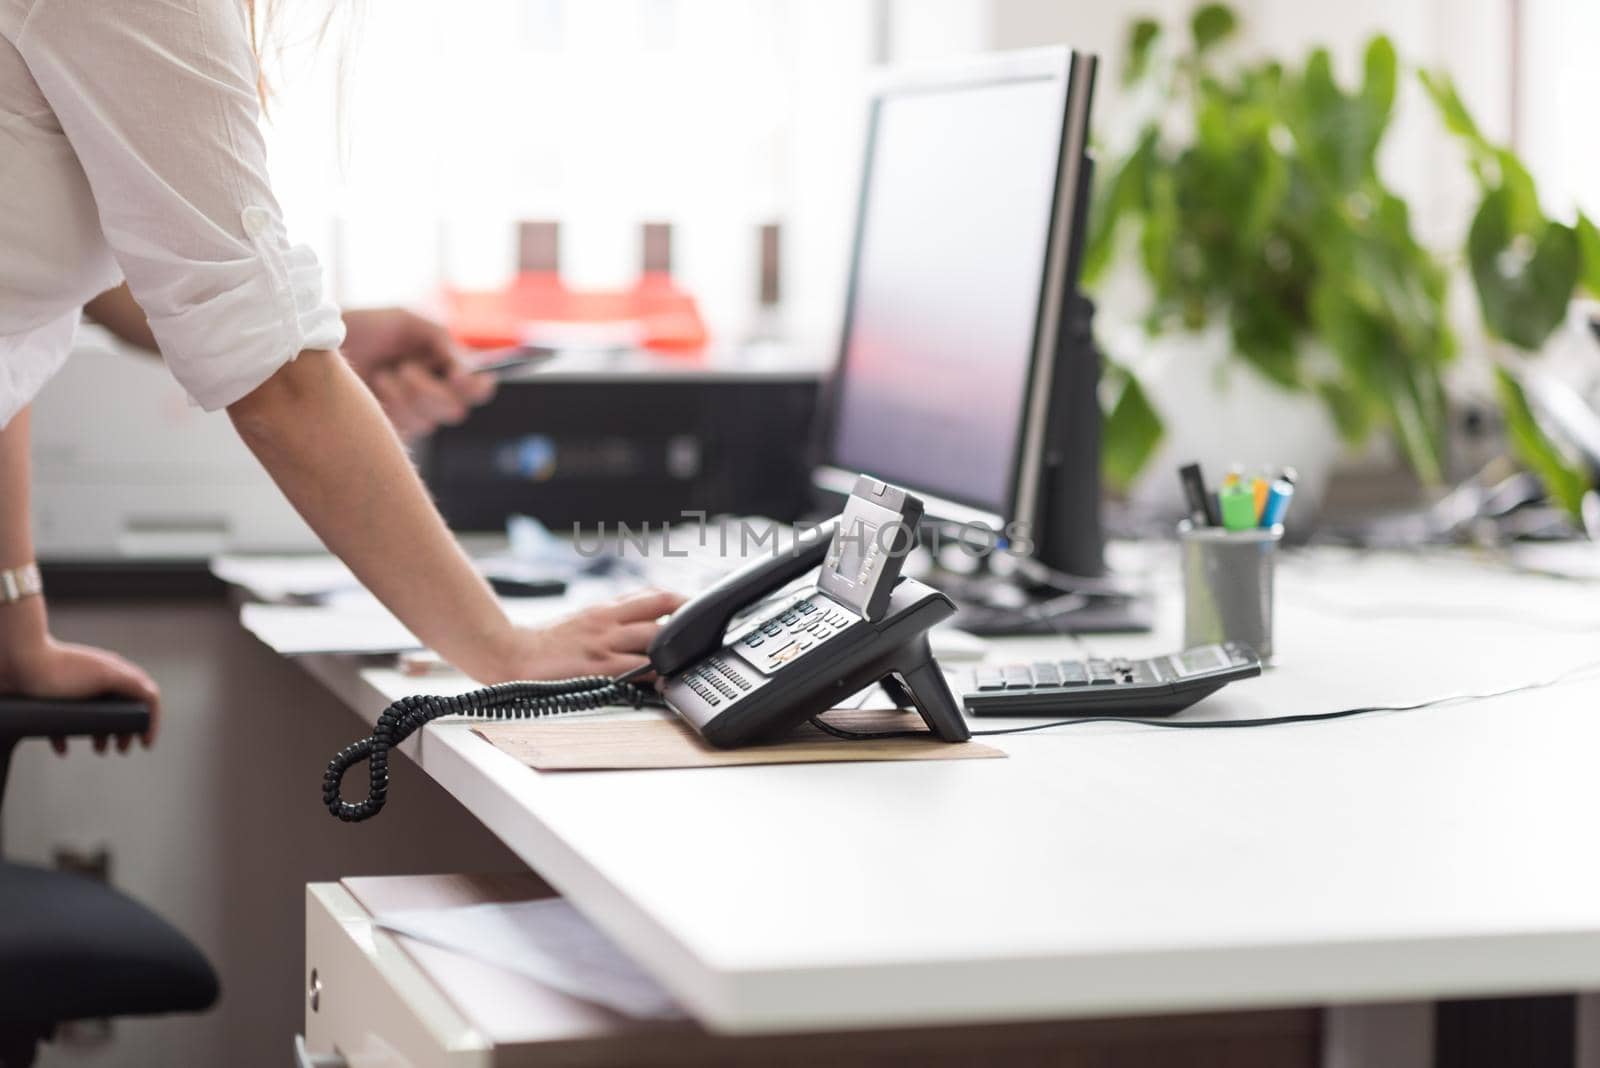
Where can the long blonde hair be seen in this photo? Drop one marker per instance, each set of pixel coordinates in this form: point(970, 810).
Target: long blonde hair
point(260, 19)
point(258, 15)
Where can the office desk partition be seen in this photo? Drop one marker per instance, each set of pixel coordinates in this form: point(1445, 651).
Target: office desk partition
point(1114, 869)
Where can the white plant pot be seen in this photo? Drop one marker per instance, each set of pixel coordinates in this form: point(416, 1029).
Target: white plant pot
point(1221, 412)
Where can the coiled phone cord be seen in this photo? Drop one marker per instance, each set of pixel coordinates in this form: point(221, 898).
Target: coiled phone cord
point(507, 700)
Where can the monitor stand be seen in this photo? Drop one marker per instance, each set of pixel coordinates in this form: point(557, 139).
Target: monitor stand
point(992, 605)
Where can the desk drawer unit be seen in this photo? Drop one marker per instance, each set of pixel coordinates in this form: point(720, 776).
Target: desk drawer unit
point(371, 1004)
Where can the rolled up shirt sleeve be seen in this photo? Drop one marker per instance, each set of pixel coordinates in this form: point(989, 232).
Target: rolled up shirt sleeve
point(158, 100)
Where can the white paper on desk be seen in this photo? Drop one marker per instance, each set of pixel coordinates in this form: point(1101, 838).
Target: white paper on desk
point(293, 630)
point(361, 625)
point(326, 580)
point(276, 578)
point(546, 940)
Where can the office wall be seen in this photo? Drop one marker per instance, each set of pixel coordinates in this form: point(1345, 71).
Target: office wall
point(1560, 86)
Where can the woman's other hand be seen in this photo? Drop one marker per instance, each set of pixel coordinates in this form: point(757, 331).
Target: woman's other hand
point(603, 639)
point(65, 671)
point(419, 376)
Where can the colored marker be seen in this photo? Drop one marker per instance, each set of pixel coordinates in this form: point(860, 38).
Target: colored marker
point(1258, 492)
point(1278, 501)
point(1238, 507)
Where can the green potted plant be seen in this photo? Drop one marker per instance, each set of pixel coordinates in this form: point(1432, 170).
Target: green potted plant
point(1525, 268)
point(1283, 273)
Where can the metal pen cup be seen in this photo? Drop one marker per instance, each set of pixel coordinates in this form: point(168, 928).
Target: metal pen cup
point(1227, 585)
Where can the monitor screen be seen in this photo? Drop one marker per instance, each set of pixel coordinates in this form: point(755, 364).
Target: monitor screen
point(954, 230)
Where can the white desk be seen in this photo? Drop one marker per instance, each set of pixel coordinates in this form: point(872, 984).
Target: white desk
point(1118, 869)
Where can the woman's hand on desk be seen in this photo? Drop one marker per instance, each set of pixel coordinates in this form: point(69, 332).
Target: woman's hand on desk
point(62, 670)
point(604, 639)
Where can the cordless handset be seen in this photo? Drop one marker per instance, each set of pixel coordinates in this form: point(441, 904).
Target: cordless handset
point(876, 531)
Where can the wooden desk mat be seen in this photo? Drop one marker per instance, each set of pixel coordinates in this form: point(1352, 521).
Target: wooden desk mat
point(616, 744)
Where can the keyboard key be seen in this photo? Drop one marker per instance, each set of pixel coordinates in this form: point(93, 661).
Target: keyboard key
point(1046, 674)
point(1018, 677)
point(1072, 673)
point(989, 679)
point(1101, 673)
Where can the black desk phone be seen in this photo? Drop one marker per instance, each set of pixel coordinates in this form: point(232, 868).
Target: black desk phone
point(861, 623)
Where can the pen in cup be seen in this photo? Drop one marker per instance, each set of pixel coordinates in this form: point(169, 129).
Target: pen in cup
point(1239, 504)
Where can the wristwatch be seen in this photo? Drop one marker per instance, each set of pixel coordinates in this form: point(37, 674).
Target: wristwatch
point(19, 582)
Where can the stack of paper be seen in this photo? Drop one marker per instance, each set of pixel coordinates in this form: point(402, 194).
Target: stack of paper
point(546, 940)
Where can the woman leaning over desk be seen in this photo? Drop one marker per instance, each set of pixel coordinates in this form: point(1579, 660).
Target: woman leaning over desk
point(130, 150)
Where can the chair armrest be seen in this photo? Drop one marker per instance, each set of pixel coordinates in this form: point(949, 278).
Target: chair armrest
point(29, 717)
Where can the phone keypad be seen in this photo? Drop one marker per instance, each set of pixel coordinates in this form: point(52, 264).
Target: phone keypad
point(716, 681)
point(792, 632)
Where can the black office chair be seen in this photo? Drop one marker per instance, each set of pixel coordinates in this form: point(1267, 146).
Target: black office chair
point(72, 948)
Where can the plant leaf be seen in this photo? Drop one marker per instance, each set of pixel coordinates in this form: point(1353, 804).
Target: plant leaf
point(1352, 413)
point(1142, 36)
point(1266, 337)
point(1457, 119)
point(1212, 23)
point(1589, 245)
point(1338, 133)
point(1380, 77)
point(1392, 376)
point(1518, 184)
point(1524, 279)
point(1129, 438)
point(1529, 444)
point(1123, 194)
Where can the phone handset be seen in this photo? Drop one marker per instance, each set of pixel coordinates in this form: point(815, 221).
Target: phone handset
point(696, 630)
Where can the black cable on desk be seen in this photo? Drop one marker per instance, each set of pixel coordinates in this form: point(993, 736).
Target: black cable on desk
point(508, 700)
point(1226, 724)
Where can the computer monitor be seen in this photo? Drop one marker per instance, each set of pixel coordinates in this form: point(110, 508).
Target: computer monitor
point(966, 373)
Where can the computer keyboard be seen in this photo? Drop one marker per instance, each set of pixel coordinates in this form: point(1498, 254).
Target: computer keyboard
point(1154, 686)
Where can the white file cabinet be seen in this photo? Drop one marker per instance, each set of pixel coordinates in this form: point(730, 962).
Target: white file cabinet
point(376, 1000)
point(368, 1004)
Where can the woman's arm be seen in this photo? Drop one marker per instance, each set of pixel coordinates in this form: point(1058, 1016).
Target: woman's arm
point(323, 439)
point(118, 312)
point(158, 101)
point(410, 363)
point(31, 662)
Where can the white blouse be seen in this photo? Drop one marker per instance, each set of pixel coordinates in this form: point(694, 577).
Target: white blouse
point(130, 148)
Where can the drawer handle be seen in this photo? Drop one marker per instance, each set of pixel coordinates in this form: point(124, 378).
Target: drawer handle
point(304, 1058)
